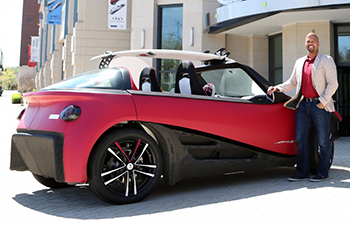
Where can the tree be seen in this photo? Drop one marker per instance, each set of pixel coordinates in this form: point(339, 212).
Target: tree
point(8, 79)
point(26, 82)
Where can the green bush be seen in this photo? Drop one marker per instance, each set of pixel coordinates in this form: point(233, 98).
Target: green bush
point(16, 98)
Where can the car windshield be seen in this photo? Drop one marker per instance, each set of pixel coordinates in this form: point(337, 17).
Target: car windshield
point(232, 82)
point(101, 78)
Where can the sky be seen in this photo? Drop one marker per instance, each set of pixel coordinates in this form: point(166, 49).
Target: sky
point(10, 31)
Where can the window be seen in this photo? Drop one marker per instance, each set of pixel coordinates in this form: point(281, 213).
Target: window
point(275, 59)
point(108, 78)
point(232, 82)
point(46, 38)
point(53, 41)
point(75, 12)
point(343, 44)
point(169, 37)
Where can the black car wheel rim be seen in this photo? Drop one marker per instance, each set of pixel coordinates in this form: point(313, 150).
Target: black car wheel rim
point(128, 167)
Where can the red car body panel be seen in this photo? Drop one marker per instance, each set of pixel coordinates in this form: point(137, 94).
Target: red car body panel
point(80, 135)
point(231, 120)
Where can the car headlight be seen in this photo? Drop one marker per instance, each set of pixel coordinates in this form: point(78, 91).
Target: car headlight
point(71, 113)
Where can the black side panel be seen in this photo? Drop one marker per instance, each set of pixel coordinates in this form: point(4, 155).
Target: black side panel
point(187, 154)
point(40, 153)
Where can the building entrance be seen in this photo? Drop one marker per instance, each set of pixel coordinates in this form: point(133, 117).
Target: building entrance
point(342, 59)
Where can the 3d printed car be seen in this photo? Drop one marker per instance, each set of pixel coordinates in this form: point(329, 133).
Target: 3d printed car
point(120, 137)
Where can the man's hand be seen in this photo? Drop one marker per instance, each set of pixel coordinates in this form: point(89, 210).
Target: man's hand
point(320, 105)
point(272, 90)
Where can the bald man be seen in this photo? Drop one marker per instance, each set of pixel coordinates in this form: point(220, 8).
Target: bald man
point(315, 78)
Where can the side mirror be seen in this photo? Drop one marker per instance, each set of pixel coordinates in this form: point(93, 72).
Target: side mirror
point(271, 97)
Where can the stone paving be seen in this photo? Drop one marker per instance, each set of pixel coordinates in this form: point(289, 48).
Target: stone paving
point(259, 197)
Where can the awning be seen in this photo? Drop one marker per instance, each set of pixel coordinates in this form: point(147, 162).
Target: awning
point(252, 17)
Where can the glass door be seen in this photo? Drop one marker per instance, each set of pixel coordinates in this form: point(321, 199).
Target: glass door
point(169, 37)
point(342, 58)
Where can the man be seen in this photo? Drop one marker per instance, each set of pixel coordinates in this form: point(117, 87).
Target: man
point(315, 78)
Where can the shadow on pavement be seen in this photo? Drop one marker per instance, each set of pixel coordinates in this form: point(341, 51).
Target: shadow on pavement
point(79, 203)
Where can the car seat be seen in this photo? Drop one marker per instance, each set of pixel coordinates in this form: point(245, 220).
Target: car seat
point(186, 80)
point(124, 80)
point(148, 80)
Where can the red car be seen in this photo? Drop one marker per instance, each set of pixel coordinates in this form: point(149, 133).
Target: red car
point(102, 129)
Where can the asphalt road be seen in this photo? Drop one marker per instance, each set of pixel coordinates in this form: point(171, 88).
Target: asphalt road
point(260, 197)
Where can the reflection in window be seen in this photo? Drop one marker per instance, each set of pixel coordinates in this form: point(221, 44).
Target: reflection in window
point(275, 59)
point(232, 82)
point(170, 37)
point(168, 74)
point(171, 28)
point(343, 34)
point(108, 78)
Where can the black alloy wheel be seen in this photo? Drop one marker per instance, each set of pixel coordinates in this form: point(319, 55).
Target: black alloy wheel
point(125, 167)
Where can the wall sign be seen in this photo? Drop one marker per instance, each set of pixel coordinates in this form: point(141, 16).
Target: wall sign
point(34, 49)
point(54, 12)
point(117, 14)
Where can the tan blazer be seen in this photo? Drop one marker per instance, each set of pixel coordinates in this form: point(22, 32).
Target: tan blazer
point(324, 80)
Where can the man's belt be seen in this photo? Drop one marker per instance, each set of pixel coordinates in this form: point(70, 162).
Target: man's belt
point(310, 99)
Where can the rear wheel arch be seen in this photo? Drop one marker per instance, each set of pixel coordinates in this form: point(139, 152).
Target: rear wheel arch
point(129, 124)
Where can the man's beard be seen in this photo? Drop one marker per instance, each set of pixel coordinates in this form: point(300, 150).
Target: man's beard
point(311, 50)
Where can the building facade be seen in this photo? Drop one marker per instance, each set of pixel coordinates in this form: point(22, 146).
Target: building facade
point(267, 35)
point(30, 19)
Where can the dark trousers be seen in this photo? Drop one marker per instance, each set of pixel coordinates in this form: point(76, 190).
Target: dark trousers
point(309, 116)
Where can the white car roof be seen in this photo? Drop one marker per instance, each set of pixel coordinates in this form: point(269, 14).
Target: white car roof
point(136, 60)
point(164, 54)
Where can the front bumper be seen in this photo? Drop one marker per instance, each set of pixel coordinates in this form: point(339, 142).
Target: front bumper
point(39, 152)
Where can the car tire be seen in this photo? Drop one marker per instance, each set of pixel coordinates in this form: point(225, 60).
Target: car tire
point(314, 151)
point(50, 182)
point(125, 167)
